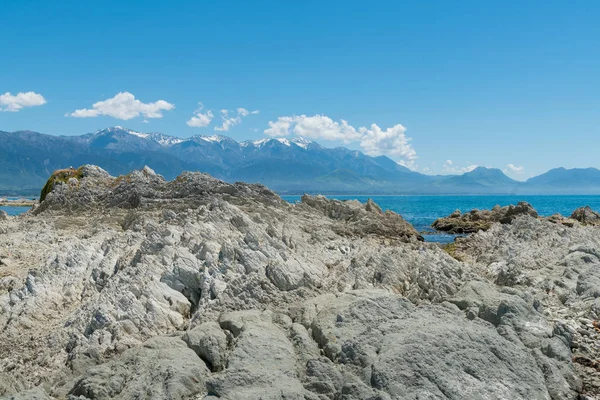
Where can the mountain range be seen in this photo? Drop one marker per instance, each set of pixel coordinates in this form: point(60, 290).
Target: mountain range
point(286, 165)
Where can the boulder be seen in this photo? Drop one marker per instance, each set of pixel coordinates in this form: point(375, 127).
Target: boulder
point(586, 216)
point(210, 344)
point(163, 368)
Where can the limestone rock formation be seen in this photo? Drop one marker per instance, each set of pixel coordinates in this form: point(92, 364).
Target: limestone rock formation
point(135, 287)
point(477, 220)
point(586, 216)
point(560, 267)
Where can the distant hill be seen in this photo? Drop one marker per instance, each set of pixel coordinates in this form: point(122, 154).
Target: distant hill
point(565, 181)
point(480, 181)
point(286, 165)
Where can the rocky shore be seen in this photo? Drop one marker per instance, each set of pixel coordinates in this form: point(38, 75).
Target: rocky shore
point(477, 220)
point(4, 202)
point(135, 287)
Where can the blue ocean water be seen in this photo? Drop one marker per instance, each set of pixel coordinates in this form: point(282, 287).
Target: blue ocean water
point(421, 211)
point(15, 210)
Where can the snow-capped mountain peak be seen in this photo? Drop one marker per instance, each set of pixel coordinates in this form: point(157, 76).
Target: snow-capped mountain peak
point(164, 140)
point(301, 142)
point(214, 138)
point(160, 138)
point(262, 142)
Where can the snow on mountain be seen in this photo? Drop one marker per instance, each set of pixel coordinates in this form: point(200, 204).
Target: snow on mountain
point(164, 140)
point(301, 142)
point(215, 138)
point(160, 138)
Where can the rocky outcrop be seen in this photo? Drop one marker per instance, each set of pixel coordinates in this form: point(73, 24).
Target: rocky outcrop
point(560, 267)
point(3, 215)
point(477, 220)
point(586, 216)
point(136, 287)
point(362, 219)
point(92, 188)
point(559, 219)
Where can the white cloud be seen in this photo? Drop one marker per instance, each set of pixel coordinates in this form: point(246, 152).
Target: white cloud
point(392, 141)
point(513, 169)
point(14, 103)
point(374, 140)
point(200, 119)
point(450, 168)
point(229, 121)
point(315, 127)
point(243, 112)
point(124, 106)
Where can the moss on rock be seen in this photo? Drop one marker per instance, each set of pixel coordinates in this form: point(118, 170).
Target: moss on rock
point(60, 176)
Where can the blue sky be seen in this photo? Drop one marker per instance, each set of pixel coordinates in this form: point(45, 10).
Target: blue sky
point(474, 82)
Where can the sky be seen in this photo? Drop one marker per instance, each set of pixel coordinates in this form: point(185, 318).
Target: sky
point(438, 86)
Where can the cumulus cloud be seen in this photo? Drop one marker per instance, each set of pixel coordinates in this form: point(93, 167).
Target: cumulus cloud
point(513, 169)
point(200, 119)
point(315, 127)
point(229, 121)
point(14, 103)
point(392, 141)
point(124, 106)
point(450, 168)
point(373, 140)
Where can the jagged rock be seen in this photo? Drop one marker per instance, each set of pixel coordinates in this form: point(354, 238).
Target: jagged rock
point(477, 220)
point(362, 219)
point(560, 267)
point(586, 216)
point(559, 219)
point(134, 287)
point(3, 215)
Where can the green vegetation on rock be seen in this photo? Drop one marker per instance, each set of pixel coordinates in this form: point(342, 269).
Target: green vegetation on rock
point(60, 176)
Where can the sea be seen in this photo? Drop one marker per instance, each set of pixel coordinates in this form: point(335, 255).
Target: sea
point(421, 211)
point(16, 210)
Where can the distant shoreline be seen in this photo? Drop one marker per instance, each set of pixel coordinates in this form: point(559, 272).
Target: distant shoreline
point(17, 203)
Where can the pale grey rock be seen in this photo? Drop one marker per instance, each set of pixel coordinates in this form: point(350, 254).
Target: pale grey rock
point(162, 368)
point(410, 352)
point(3, 215)
point(31, 394)
point(362, 219)
point(209, 342)
point(262, 363)
point(558, 266)
point(9, 384)
point(136, 287)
